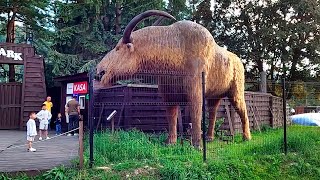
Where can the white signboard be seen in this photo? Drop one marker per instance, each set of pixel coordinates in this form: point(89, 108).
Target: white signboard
point(70, 88)
point(11, 54)
point(82, 102)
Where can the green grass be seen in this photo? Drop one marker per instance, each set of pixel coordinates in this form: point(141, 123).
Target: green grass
point(135, 155)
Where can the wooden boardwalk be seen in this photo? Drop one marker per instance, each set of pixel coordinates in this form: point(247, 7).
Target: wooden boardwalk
point(50, 153)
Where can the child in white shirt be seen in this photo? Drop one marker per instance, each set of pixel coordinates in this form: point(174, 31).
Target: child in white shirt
point(31, 131)
point(44, 115)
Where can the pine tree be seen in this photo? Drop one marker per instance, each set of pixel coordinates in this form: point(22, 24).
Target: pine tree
point(31, 13)
point(87, 30)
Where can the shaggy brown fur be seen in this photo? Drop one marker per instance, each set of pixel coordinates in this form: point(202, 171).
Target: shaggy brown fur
point(184, 46)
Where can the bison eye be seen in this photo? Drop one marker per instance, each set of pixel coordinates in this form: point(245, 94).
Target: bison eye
point(99, 76)
point(102, 73)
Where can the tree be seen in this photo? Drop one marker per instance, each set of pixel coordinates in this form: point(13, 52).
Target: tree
point(31, 13)
point(284, 35)
point(204, 15)
point(86, 30)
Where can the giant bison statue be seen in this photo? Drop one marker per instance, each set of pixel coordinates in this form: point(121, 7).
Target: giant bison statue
point(182, 46)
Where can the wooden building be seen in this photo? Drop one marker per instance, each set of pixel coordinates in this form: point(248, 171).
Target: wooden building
point(71, 85)
point(307, 109)
point(18, 99)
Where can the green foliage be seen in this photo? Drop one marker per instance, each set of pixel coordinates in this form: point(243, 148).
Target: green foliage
point(20, 176)
point(281, 34)
point(135, 155)
point(4, 73)
point(58, 173)
point(73, 36)
point(260, 158)
point(4, 176)
point(33, 13)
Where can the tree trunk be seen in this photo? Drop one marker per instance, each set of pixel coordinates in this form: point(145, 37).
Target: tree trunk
point(118, 18)
point(10, 39)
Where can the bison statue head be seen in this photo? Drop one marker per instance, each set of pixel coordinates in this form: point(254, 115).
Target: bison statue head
point(132, 48)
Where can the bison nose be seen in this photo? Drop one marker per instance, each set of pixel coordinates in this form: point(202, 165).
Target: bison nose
point(99, 76)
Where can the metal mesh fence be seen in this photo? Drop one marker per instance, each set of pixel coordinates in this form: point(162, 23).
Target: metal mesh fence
point(157, 115)
point(136, 111)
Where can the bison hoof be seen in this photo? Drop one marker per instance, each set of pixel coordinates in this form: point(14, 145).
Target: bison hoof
point(197, 147)
point(171, 140)
point(209, 139)
point(246, 137)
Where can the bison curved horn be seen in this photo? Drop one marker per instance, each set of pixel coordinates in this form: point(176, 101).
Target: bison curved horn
point(133, 23)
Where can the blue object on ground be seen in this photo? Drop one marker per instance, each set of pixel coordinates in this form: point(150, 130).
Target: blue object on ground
point(306, 119)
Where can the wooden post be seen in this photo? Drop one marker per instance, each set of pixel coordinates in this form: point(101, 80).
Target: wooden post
point(112, 125)
point(81, 144)
point(263, 82)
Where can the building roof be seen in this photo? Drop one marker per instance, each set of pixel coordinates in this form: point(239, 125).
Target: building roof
point(71, 78)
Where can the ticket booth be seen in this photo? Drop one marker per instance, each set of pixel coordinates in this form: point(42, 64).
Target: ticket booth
point(74, 85)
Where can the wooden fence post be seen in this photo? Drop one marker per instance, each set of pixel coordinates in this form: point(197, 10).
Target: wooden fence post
point(112, 125)
point(81, 144)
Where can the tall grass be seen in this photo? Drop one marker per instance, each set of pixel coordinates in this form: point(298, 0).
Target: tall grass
point(136, 155)
point(135, 145)
point(260, 158)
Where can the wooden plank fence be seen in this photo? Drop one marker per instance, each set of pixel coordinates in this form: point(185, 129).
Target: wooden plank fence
point(142, 107)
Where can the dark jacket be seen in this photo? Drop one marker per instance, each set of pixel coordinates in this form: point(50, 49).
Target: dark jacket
point(58, 121)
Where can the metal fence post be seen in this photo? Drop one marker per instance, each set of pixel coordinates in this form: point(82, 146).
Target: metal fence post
point(90, 118)
point(284, 104)
point(81, 143)
point(204, 118)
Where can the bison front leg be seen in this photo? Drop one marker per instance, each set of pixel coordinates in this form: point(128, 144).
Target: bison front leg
point(195, 115)
point(213, 107)
point(172, 115)
point(239, 103)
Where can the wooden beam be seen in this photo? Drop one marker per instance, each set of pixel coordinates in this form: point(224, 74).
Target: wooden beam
point(229, 119)
point(100, 116)
point(255, 122)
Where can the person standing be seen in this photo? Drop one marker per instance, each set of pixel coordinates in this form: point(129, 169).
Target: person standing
point(58, 124)
point(66, 113)
point(44, 115)
point(73, 109)
point(49, 105)
point(31, 131)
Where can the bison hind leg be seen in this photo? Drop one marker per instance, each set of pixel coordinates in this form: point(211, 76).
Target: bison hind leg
point(238, 101)
point(172, 115)
point(213, 106)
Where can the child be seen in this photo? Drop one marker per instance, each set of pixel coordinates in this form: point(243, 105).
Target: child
point(58, 124)
point(31, 131)
point(44, 115)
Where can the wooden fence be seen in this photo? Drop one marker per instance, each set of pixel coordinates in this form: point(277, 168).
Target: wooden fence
point(263, 110)
point(10, 105)
point(141, 107)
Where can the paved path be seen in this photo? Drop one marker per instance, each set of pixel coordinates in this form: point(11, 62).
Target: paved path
point(57, 151)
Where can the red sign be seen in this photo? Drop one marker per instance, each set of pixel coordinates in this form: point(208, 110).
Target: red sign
point(80, 87)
